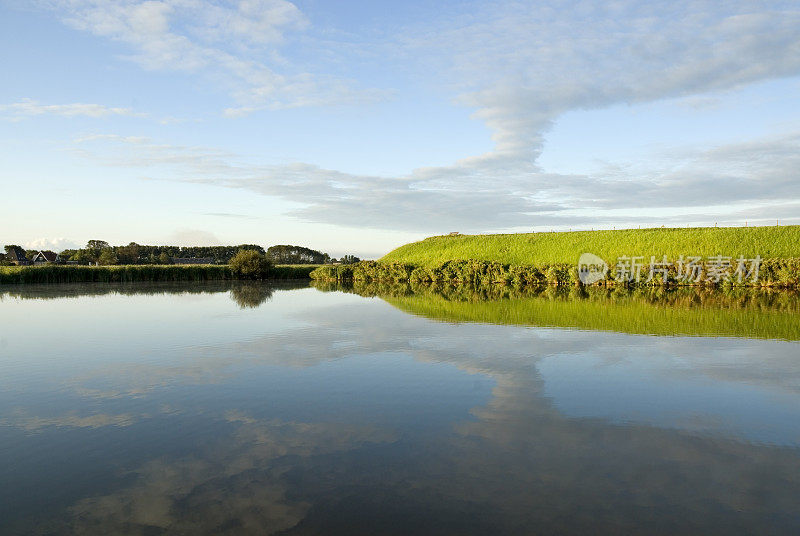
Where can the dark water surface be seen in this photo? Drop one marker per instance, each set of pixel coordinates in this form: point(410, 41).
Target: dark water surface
point(251, 409)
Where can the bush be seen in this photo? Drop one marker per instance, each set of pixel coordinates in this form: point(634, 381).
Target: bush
point(250, 264)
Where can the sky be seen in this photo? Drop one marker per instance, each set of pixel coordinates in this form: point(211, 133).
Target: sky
point(353, 127)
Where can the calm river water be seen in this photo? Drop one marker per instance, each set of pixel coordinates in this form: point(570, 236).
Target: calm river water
point(251, 409)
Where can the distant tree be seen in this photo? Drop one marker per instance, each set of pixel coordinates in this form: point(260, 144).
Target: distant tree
point(97, 244)
point(94, 248)
point(82, 256)
point(164, 258)
point(128, 254)
point(286, 254)
point(220, 254)
point(350, 259)
point(250, 264)
point(107, 256)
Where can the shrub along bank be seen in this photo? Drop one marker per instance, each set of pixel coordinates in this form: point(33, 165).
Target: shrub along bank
point(772, 273)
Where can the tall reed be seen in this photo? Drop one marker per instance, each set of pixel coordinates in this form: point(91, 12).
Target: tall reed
point(55, 273)
point(783, 273)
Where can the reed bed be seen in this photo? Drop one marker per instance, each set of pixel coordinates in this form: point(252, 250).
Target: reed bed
point(55, 273)
point(783, 273)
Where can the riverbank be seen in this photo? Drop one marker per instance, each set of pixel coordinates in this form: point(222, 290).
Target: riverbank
point(55, 273)
point(778, 273)
point(711, 256)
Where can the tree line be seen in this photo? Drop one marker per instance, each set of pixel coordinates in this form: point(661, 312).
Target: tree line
point(101, 252)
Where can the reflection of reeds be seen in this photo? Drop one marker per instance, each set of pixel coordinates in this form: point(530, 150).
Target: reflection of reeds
point(153, 273)
point(733, 312)
point(75, 290)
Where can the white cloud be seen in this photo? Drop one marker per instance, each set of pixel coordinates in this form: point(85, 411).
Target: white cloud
point(53, 244)
point(235, 45)
point(692, 185)
point(30, 107)
point(520, 67)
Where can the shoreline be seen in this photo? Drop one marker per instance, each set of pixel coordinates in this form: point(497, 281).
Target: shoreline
point(774, 273)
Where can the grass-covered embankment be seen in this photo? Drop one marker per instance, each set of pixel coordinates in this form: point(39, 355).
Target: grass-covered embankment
point(551, 258)
point(55, 273)
point(566, 247)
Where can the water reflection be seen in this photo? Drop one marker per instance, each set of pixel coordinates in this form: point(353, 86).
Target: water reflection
point(244, 293)
point(328, 413)
point(250, 295)
point(740, 312)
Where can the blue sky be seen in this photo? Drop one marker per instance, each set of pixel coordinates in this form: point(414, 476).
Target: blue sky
point(354, 127)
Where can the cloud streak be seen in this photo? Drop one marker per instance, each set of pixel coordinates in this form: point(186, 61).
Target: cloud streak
point(758, 177)
point(236, 46)
point(519, 68)
point(30, 108)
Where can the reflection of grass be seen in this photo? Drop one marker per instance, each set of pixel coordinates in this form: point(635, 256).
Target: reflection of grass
point(550, 248)
point(737, 313)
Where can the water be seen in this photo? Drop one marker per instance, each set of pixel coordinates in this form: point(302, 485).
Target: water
point(250, 409)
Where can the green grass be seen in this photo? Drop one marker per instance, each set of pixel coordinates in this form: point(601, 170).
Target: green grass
point(565, 247)
point(686, 312)
point(155, 273)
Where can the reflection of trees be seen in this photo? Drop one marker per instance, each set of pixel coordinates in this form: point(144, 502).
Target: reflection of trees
point(250, 295)
point(76, 290)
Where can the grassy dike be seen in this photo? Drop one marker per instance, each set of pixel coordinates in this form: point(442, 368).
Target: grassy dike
point(55, 273)
point(551, 258)
point(566, 247)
